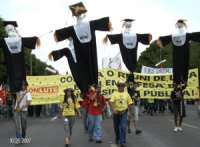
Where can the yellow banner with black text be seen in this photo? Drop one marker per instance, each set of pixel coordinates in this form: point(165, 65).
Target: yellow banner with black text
point(49, 89)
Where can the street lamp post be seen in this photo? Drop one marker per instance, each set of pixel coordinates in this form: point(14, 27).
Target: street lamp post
point(31, 72)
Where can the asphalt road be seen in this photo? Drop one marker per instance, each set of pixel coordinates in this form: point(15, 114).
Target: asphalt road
point(157, 132)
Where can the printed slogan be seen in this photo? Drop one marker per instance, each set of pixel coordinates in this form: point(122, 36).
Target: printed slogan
point(49, 89)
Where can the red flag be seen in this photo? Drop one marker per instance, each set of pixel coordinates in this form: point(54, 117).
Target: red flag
point(3, 94)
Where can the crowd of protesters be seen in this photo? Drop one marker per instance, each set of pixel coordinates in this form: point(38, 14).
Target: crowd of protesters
point(121, 106)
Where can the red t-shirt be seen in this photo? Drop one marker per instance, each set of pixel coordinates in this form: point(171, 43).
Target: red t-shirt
point(96, 105)
point(3, 95)
point(84, 103)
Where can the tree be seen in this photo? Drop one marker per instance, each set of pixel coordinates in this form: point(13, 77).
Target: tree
point(153, 54)
point(2, 66)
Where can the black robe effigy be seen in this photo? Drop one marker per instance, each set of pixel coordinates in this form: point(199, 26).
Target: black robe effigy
point(72, 64)
point(129, 56)
point(15, 62)
point(181, 56)
point(86, 53)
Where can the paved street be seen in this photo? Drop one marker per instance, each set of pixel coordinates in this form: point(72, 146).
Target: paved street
point(157, 132)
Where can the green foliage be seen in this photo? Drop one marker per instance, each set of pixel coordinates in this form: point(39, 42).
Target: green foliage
point(2, 34)
point(153, 54)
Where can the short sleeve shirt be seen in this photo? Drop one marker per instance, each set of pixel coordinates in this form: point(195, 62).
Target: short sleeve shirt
point(69, 108)
point(121, 100)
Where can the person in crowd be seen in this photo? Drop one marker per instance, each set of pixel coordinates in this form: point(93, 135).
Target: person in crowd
point(135, 95)
point(68, 109)
point(95, 110)
point(162, 104)
point(38, 110)
point(156, 105)
point(144, 104)
point(55, 109)
point(20, 112)
point(121, 105)
point(179, 106)
point(150, 106)
point(84, 110)
point(9, 103)
point(1, 108)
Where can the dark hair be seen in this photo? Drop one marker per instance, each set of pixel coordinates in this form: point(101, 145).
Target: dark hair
point(96, 86)
point(24, 82)
point(72, 96)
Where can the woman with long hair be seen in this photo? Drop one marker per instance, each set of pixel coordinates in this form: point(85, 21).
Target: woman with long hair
point(69, 108)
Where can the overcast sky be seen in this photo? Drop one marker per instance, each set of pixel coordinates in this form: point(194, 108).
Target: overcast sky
point(38, 17)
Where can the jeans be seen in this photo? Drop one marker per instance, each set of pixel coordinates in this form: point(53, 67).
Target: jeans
point(151, 108)
point(20, 118)
point(94, 126)
point(10, 111)
point(55, 109)
point(161, 106)
point(84, 112)
point(49, 109)
point(120, 122)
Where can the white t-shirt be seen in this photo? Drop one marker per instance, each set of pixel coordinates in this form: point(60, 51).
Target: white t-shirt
point(25, 99)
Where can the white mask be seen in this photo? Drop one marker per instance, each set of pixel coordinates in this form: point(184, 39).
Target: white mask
point(180, 25)
point(10, 30)
point(127, 27)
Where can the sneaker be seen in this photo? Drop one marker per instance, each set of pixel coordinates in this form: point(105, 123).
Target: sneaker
point(138, 131)
point(91, 139)
point(66, 145)
point(129, 130)
point(123, 145)
point(16, 143)
point(180, 129)
point(98, 141)
point(175, 129)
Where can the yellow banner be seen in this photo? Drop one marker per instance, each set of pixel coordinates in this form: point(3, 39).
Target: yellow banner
point(49, 89)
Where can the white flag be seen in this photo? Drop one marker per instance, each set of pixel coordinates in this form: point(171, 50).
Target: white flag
point(116, 62)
